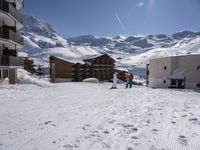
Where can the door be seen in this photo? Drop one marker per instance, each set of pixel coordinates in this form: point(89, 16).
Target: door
point(181, 84)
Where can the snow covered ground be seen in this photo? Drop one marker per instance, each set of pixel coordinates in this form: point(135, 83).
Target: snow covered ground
point(90, 116)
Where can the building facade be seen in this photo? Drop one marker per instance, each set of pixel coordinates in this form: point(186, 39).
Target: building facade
point(98, 66)
point(10, 42)
point(174, 72)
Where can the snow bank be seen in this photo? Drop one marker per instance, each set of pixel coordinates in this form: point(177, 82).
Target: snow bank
point(91, 80)
point(25, 77)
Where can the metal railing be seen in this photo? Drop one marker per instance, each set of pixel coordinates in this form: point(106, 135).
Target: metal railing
point(10, 61)
point(6, 33)
point(9, 8)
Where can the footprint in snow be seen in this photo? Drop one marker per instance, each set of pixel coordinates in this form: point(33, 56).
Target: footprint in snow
point(111, 121)
point(182, 140)
point(191, 114)
point(50, 123)
point(126, 125)
point(173, 122)
point(86, 127)
point(47, 122)
point(106, 145)
point(130, 148)
point(194, 121)
point(155, 130)
point(135, 137)
point(68, 146)
point(183, 116)
point(106, 132)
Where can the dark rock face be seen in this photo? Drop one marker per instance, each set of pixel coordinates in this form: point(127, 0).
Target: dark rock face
point(184, 34)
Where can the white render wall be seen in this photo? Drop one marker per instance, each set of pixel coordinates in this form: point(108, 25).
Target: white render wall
point(158, 83)
point(157, 73)
point(188, 63)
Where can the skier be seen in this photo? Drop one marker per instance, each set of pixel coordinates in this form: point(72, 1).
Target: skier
point(129, 80)
point(114, 86)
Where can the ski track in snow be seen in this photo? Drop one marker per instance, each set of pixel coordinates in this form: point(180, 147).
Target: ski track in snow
point(84, 116)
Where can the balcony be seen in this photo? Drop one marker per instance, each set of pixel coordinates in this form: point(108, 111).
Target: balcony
point(8, 34)
point(10, 9)
point(21, 2)
point(7, 61)
point(18, 3)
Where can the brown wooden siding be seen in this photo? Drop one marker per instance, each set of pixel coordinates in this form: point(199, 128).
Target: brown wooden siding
point(101, 68)
point(62, 70)
point(28, 65)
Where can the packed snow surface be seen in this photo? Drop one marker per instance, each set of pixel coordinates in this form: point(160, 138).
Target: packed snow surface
point(88, 116)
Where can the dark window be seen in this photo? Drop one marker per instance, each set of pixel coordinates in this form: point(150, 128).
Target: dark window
point(198, 85)
point(165, 68)
point(198, 68)
point(0, 75)
point(173, 82)
point(5, 74)
point(164, 81)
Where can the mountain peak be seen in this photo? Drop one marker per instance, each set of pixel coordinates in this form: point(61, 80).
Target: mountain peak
point(40, 35)
point(184, 34)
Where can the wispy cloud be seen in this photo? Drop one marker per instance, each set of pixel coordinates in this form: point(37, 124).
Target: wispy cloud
point(120, 22)
point(140, 4)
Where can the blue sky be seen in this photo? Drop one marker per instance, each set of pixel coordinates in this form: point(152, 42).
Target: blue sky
point(116, 17)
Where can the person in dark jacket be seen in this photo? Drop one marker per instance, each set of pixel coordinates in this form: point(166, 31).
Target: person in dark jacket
point(129, 80)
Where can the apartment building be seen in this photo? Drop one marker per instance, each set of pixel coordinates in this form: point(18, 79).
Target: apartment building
point(10, 42)
point(174, 72)
point(99, 66)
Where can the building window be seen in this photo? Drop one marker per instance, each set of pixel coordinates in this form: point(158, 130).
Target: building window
point(5, 74)
point(198, 67)
point(198, 85)
point(165, 68)
point(0, 74)
point(173, 82)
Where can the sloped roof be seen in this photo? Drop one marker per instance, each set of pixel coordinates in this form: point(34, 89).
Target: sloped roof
point(88, 57)
point(71, 60)
point(81, 60)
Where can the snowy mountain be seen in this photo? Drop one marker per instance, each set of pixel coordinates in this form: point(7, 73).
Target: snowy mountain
point(39, 34)
point(140, 48)
point(42, 41)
